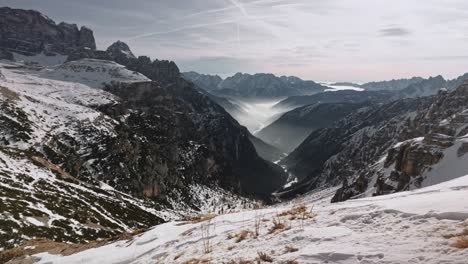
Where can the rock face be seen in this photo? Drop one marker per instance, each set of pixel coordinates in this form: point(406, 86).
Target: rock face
point(29, 32)
point(162, 71)
point(293, 127)
point(257, 86)
point(207, 144)
point(120, 49)
point(401, 145)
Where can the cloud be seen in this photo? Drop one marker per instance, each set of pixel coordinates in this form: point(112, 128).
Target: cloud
point(394, 32)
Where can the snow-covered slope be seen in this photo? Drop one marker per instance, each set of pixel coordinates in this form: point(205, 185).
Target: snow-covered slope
point(409, 227)
point(94, 73)
point(56, 144)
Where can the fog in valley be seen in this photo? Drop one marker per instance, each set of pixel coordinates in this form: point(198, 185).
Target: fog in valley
point(256, 115)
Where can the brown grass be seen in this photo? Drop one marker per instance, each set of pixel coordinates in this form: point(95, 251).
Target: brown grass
point(290, 249)
point(461, 243)
point(187, 232)
point(262, 256)
point(231, 248)
point(202, 218)
point(241, 261)
point(463, 233)
point(197, 261)
point(178, 255)
point(9, 94)
point(278, 225)
point(243, 235)
point(298, 212)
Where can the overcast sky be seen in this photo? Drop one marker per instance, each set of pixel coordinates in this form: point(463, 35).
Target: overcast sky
point(334, 40)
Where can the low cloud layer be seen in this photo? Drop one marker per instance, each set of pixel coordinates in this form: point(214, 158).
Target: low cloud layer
point(333, 40)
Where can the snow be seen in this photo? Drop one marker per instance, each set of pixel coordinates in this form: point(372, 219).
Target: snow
point(41, 59)
point(406, 227)
point(334, 88)
point(93, 73)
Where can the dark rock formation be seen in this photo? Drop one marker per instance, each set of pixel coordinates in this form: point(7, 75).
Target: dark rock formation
point(162, 71)
point(29, 32)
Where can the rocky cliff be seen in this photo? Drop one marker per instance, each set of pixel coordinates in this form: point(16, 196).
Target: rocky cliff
point(29, 32)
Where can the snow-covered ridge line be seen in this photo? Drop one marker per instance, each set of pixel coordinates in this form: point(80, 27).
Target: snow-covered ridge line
point(407, 227)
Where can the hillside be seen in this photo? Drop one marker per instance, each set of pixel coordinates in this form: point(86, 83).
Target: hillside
point(430, 221)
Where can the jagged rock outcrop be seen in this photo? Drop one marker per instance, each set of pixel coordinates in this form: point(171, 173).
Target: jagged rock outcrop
point(29, 32)
point(163, 71)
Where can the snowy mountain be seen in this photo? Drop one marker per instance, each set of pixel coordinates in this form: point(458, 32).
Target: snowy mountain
point(398, 146)
point(141, 140)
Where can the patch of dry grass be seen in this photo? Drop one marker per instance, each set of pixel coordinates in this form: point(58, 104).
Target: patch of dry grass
point(241, 261)
point(463, 233)
point(202, 218)
point(278, 225)
point(197, 261)
point(244, 234)
point(231, 248)
point(461, 243)
point(290, 249)
point(298, 212)
point(188, 232)
point(262, 256)
point(178, 255)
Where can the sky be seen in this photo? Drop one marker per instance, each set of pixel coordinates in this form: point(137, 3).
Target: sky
point(326, 40)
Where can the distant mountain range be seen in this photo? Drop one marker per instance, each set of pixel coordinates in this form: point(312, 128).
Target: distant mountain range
point(254, 87)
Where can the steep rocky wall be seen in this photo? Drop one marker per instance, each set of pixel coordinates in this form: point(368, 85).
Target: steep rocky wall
point(29, 32)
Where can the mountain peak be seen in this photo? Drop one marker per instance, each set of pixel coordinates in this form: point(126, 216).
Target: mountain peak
point(120, 48)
